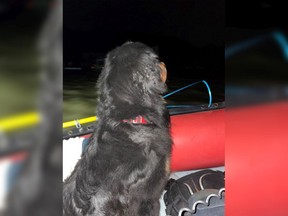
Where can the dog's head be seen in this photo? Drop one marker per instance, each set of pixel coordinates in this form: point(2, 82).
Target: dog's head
point(132, 80)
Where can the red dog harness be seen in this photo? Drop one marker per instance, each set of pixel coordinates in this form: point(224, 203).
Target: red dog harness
point(137, 120)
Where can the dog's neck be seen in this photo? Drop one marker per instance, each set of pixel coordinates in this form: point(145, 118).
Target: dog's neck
point(137, 120)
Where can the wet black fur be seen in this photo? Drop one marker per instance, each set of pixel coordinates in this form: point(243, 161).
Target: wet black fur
point(122, 172)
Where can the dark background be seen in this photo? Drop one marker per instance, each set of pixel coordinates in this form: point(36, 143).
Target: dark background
point(188, 35)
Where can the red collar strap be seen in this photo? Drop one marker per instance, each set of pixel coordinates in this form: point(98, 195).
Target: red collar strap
point(137, 120)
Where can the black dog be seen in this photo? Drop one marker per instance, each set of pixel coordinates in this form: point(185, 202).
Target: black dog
point(125, 168)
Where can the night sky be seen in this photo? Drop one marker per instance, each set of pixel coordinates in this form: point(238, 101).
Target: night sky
point(188, 34)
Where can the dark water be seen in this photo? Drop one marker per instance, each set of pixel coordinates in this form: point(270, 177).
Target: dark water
point(79, 93)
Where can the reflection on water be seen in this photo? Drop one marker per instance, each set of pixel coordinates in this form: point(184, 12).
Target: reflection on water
point(19, 64)
point(79, 93)
point(15, 96)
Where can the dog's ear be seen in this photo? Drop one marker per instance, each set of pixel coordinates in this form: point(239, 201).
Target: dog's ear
point(163, 73)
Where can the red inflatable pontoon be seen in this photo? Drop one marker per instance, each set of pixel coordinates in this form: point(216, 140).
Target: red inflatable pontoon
point(199, 140)
point(257, 160)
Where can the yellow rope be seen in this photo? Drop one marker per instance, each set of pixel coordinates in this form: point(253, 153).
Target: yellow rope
point(80, 121)
point(33, 118)
point(19, 121)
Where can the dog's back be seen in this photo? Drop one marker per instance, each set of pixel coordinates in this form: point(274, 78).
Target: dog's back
point(126, 165)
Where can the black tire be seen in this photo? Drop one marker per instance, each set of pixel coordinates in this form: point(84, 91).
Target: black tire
point(201, 194)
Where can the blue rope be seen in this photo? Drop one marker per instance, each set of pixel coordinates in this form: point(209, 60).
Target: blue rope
point(187, 86)
point(233, 49)
point(209, 92)
point(279, 37)
point(282, 42)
